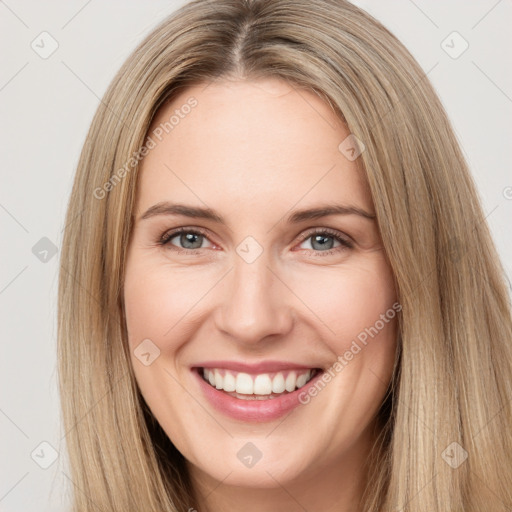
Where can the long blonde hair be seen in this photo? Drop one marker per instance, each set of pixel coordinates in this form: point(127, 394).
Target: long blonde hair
point(453, 377)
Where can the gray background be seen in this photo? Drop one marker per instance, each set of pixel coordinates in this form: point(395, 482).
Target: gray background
point(46, 107)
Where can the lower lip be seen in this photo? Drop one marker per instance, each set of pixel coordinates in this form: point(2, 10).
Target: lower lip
point(252, 410)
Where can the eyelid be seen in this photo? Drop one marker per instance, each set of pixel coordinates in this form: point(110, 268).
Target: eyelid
point(330, 231)
point(345, 240)
point(171, 233)
point(167, 236)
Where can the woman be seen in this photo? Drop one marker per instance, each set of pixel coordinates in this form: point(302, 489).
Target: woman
point(213, 354)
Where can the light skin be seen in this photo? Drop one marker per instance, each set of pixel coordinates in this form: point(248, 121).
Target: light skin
point(256, 152)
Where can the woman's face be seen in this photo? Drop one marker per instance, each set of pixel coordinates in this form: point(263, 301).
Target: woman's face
point(255, 290)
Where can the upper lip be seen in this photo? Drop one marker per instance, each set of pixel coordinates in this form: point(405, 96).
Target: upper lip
point(260, 367)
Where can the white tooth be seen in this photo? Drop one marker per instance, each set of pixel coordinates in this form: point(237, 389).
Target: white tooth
point(244, 384)
point(262, 384)
point(211, 377)
point(278, 383)
point(229, 382)
point(218, 380)
point(301, 380)
point(290, 381)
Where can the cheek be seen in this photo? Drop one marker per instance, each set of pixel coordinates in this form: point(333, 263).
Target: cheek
point(156, 299)
point(342, 302)
point(349, 301)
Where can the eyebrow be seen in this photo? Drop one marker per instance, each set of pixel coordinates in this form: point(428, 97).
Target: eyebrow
point(166, 208)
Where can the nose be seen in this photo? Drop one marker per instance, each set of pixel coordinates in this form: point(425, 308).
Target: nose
point(255, 304)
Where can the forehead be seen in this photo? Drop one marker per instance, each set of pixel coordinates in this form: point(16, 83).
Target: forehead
point(249, 144)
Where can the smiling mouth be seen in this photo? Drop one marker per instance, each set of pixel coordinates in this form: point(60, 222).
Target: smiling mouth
point(263, 386)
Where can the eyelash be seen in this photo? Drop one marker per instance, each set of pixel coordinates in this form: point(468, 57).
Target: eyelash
point(165, 239)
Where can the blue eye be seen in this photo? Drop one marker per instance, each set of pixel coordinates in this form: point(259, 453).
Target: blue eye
point(189, 238)
point(323, 240)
